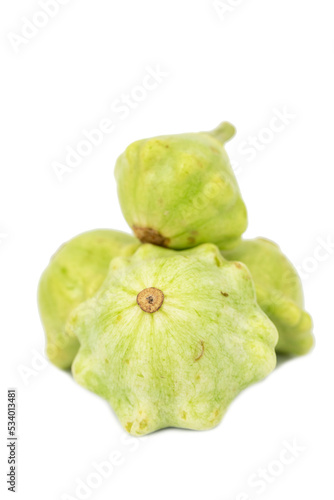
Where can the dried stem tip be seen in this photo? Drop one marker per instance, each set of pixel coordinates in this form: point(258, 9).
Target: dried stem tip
point(150, 299)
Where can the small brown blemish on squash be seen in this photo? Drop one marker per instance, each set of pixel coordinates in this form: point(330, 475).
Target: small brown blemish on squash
point(238, 265)
point(202, 351)
point(224, 293)
point(162, 144)
point(149, 235)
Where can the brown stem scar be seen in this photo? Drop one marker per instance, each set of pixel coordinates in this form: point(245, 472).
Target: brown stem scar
point(150, 299)
point(202, 351)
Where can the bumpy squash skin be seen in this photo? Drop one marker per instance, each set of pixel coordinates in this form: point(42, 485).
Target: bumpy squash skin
point(279, 293)
point(73, 275)
point(183, 364)
point(179, 191)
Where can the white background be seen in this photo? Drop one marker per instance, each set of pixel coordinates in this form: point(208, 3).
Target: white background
point(260, 58)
